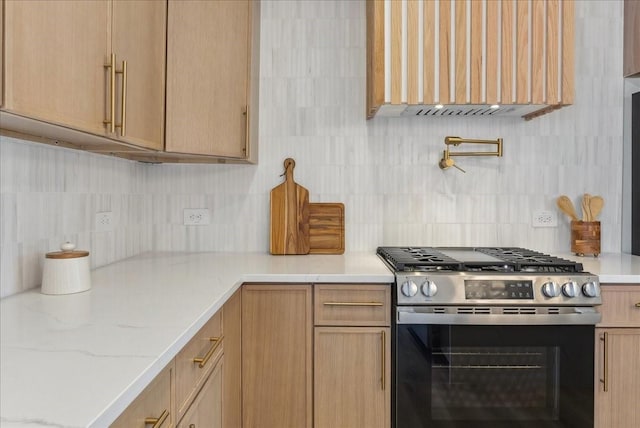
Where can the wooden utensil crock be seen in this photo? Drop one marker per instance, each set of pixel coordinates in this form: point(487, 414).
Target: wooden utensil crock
point(585, 238)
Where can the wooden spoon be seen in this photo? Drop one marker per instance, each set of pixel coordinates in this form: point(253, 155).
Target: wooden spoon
point(595, 206)
point(566, 206)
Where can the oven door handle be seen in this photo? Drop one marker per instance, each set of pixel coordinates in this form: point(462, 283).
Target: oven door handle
point(579, 316)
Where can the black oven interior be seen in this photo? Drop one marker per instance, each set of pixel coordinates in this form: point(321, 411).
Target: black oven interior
point(482, 376)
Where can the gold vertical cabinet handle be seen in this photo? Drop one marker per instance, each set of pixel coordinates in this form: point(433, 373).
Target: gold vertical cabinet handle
point(123, 101)
point(352, 303)
point(157, 422)
point(112, 93)
point(605, 363)
point(383, 359)
point(246, 132)
point(202, 361)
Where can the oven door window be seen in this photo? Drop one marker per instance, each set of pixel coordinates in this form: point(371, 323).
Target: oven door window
point(494, 376)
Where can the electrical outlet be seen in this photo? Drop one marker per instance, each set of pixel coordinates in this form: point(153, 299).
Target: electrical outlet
point(196, 216)
point(543, 218)
point(104, 221)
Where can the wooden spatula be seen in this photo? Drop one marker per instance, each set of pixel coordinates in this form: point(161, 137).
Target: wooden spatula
point(595, 205)
point(566, 206)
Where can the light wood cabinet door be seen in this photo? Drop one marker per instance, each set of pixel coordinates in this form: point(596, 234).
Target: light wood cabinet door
point(139, 38)
point(208, 48)
point(352, 377)
point(617, 359)
point(1, 52)
point(631, 37)
point(206, 409)
point(55, 53)
point(232, 396)
point(277, 333)
point(152, 406)
point(617, 378)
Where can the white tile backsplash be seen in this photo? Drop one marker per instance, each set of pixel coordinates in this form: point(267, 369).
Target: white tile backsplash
point(312, 105)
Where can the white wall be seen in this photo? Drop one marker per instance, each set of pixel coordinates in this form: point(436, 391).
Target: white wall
point(312, 104)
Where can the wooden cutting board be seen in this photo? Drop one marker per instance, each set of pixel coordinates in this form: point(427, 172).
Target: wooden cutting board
point(326, 228)
point(289, 215)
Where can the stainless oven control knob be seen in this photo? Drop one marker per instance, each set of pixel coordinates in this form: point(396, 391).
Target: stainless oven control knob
point(550, 289)
point(409, 288)
point(590, 289)
point(570, 289)
point(429, 288)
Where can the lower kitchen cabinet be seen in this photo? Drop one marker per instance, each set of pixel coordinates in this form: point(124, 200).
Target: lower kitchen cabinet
point(277, 333)
point(196, 361)
point(152, 406)
point(352, 352)
point(351, 377)
point(201, 387)
point(617, 368)
point(232, 377)
point(206, 409)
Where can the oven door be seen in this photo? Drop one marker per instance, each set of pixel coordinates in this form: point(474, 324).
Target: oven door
point(493, 376)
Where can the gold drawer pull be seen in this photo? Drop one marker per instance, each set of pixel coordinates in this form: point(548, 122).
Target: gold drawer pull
point(605, 365)
point(111, 122)
point(123, 101)
point(384, 362)
point(638, 305)
point(353, 304)
point(157, 422)
point(203, 360)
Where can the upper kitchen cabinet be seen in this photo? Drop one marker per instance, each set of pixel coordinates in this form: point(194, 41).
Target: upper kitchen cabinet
point(138, 39)
point(54, 61)
point(90, 66)
point(210, 76)
point(1, 51)
point(631, 37)
point(478, 58)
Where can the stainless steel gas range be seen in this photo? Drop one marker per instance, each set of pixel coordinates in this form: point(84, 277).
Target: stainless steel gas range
point(491, 338)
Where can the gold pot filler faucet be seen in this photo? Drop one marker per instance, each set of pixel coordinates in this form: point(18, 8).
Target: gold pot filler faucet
point(447, 162)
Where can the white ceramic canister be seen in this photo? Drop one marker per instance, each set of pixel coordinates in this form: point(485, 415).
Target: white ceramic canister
point(66, 271)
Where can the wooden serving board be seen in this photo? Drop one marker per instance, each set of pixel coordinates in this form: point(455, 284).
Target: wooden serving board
point(326, 228)
point(289, 215)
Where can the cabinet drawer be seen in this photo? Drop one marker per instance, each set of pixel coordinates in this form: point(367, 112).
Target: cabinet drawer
point(206, 410)
point(195, 361)
point(153, 404)
point(620, 306)
point(352, 304)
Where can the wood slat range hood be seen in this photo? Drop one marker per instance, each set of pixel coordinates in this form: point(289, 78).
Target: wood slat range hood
point(469, 57)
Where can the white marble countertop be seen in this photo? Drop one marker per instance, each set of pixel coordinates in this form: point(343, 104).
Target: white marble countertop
point(79, 360)
point(610, 268)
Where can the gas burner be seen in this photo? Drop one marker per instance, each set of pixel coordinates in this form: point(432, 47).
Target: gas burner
point(474, 259)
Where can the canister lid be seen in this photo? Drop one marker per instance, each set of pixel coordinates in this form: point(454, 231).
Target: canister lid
point(67, 251)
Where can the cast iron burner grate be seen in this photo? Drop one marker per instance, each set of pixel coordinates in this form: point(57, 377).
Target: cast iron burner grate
point(508, 259)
